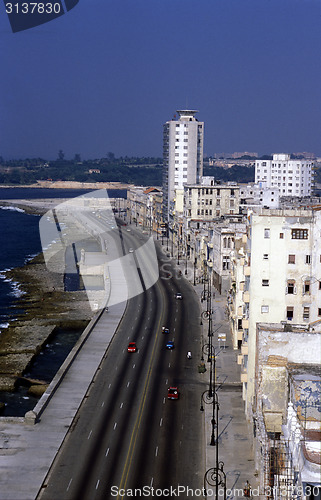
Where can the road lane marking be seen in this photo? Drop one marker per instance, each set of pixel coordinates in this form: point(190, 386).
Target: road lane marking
point(128, 383)
point(97, 484)
point(109, 386)
point(102, 404)
point(69, 484)
point(133, 439)
point(107, 451)
point(156, 451)
point(166, 381)
point(151, 482)
point(89, 434)
point(121, 405)
point(134, 365)
point(115, 425)
point(161, 422)
point(164, 401)
point(169, 365)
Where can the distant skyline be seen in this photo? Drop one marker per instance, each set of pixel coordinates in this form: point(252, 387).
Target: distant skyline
point(105, 77)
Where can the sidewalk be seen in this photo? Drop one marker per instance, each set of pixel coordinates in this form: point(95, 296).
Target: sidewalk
point(235, 438)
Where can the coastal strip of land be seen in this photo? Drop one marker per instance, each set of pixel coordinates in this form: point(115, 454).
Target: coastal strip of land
point(45, 304)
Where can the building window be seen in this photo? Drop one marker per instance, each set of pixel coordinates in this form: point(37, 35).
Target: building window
point(308, 259)
point(299, 234)
point(306, 287)
point(265, 282)
point(226, 263)
point(264, 309)
point(291, 289)
point(281, 234)
point(319, 311)
point(266, 233)
point(291, 259)
point(265, 256)
point(239, 323)
point(306, 313)
point(289, 313)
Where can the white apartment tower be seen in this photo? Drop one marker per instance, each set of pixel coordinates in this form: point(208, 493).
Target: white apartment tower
point(182, 155)
point(292, 177)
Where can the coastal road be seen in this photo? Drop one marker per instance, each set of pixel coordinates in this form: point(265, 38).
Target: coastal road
point(126, 434)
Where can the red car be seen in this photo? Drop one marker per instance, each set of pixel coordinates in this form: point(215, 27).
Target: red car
point(172, 393)
point(132, 347)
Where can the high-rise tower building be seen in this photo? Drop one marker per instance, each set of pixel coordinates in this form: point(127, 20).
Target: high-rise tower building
point(182, 155)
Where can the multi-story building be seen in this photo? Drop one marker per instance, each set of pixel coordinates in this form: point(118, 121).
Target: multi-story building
point(182, 155)
point(259, 194)
point(209, 200)
point(292, 177)
point(282, 277)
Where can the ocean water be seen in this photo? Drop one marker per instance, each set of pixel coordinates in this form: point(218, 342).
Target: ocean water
point(20, 240)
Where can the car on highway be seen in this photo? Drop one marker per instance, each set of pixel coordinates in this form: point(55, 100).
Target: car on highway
point(131, 250)
point(172, 393)
point(165, 330)
point(132, 347)
point(170, 345)
point(178, 296)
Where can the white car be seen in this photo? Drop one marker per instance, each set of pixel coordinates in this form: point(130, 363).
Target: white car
point(131, 250)
point(178, 296)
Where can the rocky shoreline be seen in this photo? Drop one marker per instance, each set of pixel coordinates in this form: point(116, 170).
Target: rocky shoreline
point(46, 306)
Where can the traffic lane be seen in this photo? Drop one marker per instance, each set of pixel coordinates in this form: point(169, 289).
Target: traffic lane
point(110, 438)
point(169, 448)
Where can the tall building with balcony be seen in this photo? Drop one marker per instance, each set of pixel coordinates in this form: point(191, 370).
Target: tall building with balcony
point(182, 155)
point(282, 279)
point(292, 177)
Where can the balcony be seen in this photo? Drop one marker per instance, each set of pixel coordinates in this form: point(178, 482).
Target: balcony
point(239, 359)
point(245, 324)
point(244, 377)
point(240, 335)
point(247, 271)
point(245, 349)
point(246, 297)
point(241, 286)
point(240, 310)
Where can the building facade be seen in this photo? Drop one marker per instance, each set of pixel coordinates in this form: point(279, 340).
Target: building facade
point(292, 177)
point(182, 155)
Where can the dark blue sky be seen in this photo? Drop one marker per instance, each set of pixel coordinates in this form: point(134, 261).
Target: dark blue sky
point(107, 75)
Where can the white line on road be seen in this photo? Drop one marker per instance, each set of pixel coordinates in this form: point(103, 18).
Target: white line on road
point(107, 451)
point(109, 386)
point(151, 482)
point(115, 425)
point(134, 365)
point(121, 405)
point(156, 451)
point(69, 484)
point(128, 384)
point(169, 365)
point(166, 381)
point(89, 434)
point(102, 404)
point(161, 422)
point(97, 484)
point(164, 401)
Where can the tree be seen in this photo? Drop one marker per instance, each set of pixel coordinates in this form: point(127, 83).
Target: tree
point(77, 158)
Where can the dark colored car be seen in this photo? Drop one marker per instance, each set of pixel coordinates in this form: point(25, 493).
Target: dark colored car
point(170, 344)
point(165, 330)
point(172, 393)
